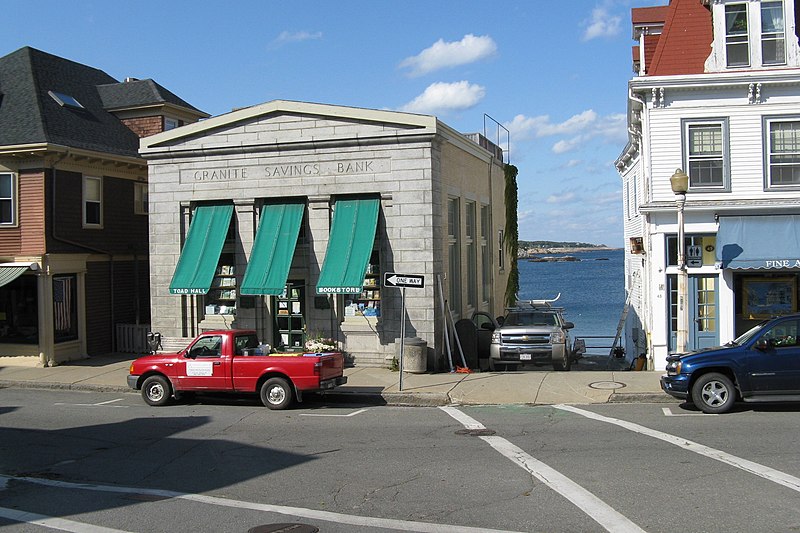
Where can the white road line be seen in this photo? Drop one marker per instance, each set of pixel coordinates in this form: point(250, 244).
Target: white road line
point(757, 469)
point(321, 414)
point(597, 509)
point(110, 401)
point(366, 521)
point(668, 412)
point(103, 404)
point(60, 524)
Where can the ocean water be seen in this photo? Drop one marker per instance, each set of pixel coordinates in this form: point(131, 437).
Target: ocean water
point(592, 289)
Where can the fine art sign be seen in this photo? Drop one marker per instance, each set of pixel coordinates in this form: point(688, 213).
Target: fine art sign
point(350, 167)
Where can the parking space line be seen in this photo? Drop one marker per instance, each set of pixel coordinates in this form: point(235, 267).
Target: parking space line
point(754, 468)
point(51, 522)
point(597, 509)
point(322, 414)
point(668, 412)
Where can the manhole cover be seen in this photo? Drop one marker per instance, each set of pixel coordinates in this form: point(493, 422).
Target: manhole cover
point(607, 385)
point(476, 432)
point(281, 528)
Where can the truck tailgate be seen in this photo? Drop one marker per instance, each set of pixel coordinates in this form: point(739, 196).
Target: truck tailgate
point(331, 365)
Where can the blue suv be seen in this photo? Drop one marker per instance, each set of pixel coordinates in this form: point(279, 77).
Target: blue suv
point(763, 365)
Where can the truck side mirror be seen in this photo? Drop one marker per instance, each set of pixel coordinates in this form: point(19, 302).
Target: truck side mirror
point(568, 325)
point(762, 344)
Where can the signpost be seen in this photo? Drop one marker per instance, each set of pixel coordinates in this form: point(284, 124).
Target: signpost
point(694, 256)
point(403, 281)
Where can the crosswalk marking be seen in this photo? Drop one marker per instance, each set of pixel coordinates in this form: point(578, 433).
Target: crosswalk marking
point(597, 509)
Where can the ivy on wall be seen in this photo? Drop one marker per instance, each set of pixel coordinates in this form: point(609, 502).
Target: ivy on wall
point(511, 234)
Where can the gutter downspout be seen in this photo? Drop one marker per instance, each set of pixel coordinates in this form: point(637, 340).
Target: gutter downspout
point(646, 274)
point(55, 237)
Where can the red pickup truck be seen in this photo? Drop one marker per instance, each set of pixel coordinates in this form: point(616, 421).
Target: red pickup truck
point(231, 361)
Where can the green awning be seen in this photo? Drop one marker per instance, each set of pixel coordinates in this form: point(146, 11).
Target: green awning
point(350, 246)
point(200, 255)
point(273, 249)
point(11, 271)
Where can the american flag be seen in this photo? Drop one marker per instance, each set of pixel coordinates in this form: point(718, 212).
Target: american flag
point(62, 303)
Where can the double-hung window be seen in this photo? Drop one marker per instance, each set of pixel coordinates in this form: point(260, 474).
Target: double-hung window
point(472, 255)
point(783, 152)
point(773, 36)
point(706, 153)
point(8, 199)
point(737, 48)
point(92, 202)
point(454, 252)
point(486, 257)
point(140, 205)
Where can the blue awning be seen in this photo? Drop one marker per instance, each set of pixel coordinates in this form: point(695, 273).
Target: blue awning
point(759, 242)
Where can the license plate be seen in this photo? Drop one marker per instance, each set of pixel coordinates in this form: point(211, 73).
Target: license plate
point(524, 357)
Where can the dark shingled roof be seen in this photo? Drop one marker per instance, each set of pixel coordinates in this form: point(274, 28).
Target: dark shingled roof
point(139, 93)
point(28, 114)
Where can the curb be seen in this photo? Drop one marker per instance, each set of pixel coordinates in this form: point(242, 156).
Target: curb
point(641, 397)
point(44, 385)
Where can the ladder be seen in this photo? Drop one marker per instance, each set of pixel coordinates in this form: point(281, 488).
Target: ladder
point(624, 316)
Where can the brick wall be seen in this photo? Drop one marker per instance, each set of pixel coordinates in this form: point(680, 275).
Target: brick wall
point(144, 126)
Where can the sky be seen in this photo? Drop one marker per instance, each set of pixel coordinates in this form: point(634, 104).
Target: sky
point(552, 73)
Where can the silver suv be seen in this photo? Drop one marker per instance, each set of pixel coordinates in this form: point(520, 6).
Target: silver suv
point(532, 332)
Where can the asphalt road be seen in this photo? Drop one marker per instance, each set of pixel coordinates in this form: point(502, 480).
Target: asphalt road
point(80, 461)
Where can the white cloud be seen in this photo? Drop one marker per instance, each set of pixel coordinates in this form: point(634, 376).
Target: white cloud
point(561, 198)
point(439, 97)
point(295, 37)
point(450, 54)
point(602, 24)
point(583, 127)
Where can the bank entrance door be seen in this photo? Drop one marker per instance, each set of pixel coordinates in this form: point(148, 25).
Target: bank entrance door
point(703, 311)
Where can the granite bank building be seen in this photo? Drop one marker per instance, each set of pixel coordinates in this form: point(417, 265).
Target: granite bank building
point(285, 216)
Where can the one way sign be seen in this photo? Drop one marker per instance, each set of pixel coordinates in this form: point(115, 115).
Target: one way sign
point(390, 279)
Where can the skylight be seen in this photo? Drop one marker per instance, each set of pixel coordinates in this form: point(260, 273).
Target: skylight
point(65, 100)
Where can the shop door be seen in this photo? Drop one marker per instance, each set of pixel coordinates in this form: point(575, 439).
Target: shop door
point(703, 312)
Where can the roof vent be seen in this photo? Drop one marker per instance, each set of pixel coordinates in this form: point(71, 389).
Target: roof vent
point(130, 79)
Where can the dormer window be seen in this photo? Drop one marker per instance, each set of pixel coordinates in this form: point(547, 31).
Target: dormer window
point(736, 45)
point(773, 36)
point(751, 35)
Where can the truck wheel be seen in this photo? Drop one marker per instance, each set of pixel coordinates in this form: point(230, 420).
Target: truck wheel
point(714, 393)
point(156, 391)
point(276, 393)
point(564, 363)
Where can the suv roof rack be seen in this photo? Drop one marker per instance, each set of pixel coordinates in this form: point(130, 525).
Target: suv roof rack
point(537, 303)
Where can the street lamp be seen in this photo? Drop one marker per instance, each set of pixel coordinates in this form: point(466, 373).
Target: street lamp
point(680, 184)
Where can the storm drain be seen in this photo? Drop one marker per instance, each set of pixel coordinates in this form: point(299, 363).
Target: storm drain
point(281, 528)
point(607, 385)
point(482, 432)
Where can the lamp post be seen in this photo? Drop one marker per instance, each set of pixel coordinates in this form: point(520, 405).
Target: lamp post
point(680, 184)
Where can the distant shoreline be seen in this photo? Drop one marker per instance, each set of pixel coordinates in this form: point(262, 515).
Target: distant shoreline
point(531, 252)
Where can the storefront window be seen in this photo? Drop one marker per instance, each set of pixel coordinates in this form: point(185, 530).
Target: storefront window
point(700, 250)
point(19, 311)
point(65, 308)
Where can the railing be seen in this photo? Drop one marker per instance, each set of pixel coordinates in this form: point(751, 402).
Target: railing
point(132, 338)
point(601, 346)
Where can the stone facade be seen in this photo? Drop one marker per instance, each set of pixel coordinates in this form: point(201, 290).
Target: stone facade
point(320, 153)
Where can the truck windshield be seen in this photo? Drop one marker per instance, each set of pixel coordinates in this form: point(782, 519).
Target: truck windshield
point(517, 318)
point(749, 334)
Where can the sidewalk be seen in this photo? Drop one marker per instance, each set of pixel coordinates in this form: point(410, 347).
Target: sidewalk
point(107, 373)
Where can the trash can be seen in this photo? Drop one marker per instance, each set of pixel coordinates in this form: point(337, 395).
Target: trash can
point(415, 355)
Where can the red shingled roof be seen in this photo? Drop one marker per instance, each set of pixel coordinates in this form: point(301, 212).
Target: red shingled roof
point(685, 43)
point(649, 15)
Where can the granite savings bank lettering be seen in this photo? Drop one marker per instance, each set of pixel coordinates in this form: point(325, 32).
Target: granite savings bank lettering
point(288, 170)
